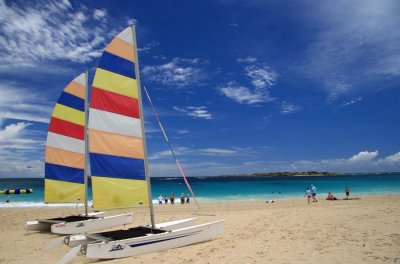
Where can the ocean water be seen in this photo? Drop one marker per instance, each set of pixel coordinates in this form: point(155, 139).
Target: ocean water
point(209, 189)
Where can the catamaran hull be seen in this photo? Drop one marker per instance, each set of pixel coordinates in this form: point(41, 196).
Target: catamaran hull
point(76, 240)
point(43, 225)
point(153, 242)
point(92, 224)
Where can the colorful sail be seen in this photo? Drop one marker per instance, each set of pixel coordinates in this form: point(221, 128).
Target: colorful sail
point(65, 146)
point(116, 146)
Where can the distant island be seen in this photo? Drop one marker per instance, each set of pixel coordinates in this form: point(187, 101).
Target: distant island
point(273, 174)
point(304, 173)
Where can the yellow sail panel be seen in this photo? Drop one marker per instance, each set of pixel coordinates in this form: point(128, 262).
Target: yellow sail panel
point(63, 192)
point(115, 193)
point(69, 114)
point(115, 83)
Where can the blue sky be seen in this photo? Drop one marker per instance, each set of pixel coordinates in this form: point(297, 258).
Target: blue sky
point(241, 86)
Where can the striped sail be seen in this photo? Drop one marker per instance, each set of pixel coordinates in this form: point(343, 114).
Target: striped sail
point(116, 145)
point(65, 146)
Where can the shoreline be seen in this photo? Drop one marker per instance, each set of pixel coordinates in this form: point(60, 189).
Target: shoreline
point(201, 200)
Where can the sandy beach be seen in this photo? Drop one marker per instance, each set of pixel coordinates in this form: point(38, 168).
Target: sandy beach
point(287, 231)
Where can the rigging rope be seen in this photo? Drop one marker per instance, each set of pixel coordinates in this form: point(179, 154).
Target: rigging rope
point(170, 147)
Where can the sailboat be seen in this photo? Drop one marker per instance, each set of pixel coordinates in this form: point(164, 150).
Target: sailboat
point(118, 156)
point(66, 178)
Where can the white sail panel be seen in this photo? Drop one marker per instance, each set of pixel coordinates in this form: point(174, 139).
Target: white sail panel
point(115, 123)
point(65, 143)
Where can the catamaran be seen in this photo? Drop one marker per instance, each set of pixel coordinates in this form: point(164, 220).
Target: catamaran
point(66, 178)
point(119, 168)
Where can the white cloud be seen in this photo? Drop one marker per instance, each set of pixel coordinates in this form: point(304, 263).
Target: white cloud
point(100, 14)
point(187, 152)
point(15, 104)
point(131, 21)
point(195, 111)
point(355, 100)
point(356, 46)
point(247, 59)
point(244, 95)
point(11, 131)
point(288, 108)
point(53, 30)
point(179, 72)
point(261, 77)
point(217, 152)
point(392, 159)
point(364, 156)
point(19, 148)
point(214, 167)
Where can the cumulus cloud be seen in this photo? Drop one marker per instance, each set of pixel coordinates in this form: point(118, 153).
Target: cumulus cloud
point(100, 14)
point(244, 95)
point(195, 111)
point(12, 131)
point(179, 72)
point(261, 79)
point(253, 164)
point(364, 156)
point(392, 159)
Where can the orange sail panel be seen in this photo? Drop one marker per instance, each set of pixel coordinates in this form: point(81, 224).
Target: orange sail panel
point(65, 146)
point(115, 130)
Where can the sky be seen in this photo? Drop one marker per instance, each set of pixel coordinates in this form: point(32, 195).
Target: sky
point(240, 86)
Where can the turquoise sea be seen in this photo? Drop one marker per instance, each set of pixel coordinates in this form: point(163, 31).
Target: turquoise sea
point(234, 188)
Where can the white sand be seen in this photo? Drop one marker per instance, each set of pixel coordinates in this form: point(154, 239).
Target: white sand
point(288, 231)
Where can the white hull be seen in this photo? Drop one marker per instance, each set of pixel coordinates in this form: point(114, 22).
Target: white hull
point(82, 226)
point(92, 224)
point(153, 242)
point(76, 240)
point(45, 224)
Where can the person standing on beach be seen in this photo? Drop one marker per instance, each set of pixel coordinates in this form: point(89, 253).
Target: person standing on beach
point(160, 198)
point(347, 191)
point(165, 199)
point(314, 193)
point(182, 198)
point(172, 198)
point(187, 199)
point(308, 194)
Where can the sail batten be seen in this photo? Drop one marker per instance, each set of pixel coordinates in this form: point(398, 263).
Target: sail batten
point(116, 147)
point(65, 146)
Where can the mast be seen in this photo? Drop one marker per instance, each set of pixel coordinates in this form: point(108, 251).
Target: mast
point(85, 174)
point(146, 165)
